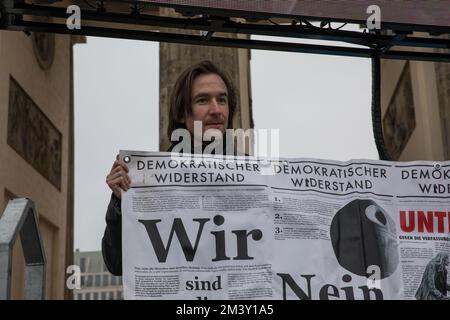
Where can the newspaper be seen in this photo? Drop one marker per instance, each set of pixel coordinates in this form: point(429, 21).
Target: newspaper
point(224, 227)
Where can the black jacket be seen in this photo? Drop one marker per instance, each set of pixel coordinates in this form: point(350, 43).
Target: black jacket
point(112, 238)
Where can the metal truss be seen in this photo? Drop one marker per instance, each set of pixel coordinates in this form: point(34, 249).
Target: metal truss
point(20, 218)
point(396, 43)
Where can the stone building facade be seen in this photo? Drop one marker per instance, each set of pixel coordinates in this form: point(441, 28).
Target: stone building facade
point(416, 109)
point(36, 144)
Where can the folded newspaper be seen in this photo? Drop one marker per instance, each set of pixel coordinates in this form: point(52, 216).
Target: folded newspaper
point(224, 227)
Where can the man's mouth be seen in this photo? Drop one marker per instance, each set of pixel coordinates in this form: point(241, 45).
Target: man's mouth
point(214, 124)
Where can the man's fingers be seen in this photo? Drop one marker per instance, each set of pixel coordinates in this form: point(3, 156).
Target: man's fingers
point(121, 163)
point(121, 178)
point(118, 182)
point(113, 174)
point(123, 184)
point(113, 181)
point(118, 178)
point(117, 169)
point(119, 174)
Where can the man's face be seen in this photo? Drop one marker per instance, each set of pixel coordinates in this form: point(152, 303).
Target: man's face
point(446, 261)
point(209, 103)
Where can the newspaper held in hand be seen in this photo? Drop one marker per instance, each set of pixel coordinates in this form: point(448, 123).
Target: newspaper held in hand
point(217, 227)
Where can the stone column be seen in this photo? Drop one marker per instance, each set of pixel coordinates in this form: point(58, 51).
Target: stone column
point(443, 88)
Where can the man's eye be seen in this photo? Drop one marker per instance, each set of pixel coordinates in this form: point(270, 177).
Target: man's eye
point(223, 100)
point(201, 101)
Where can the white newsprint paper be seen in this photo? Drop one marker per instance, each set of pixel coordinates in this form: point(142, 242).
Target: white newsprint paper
point(214, 227)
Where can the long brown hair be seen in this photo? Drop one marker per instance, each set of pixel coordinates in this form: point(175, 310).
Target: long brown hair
point(181, 99)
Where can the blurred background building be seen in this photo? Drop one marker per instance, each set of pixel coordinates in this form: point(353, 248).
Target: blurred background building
point(416, 109)
point(96, 281)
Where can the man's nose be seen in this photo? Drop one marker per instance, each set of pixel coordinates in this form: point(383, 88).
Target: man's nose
point(214, 108)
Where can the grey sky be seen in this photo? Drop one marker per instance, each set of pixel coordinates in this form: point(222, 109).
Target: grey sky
point(116, 107)
point(321, 104)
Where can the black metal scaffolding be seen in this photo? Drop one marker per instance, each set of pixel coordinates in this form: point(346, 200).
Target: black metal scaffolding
point(385, 45)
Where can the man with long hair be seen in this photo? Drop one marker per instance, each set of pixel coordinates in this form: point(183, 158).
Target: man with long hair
point(204, 94)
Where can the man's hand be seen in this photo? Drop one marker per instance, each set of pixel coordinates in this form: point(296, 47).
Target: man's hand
point(118, 178)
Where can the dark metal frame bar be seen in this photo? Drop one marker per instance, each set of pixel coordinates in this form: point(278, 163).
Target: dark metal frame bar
point(376, 44)
point(187, 9)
